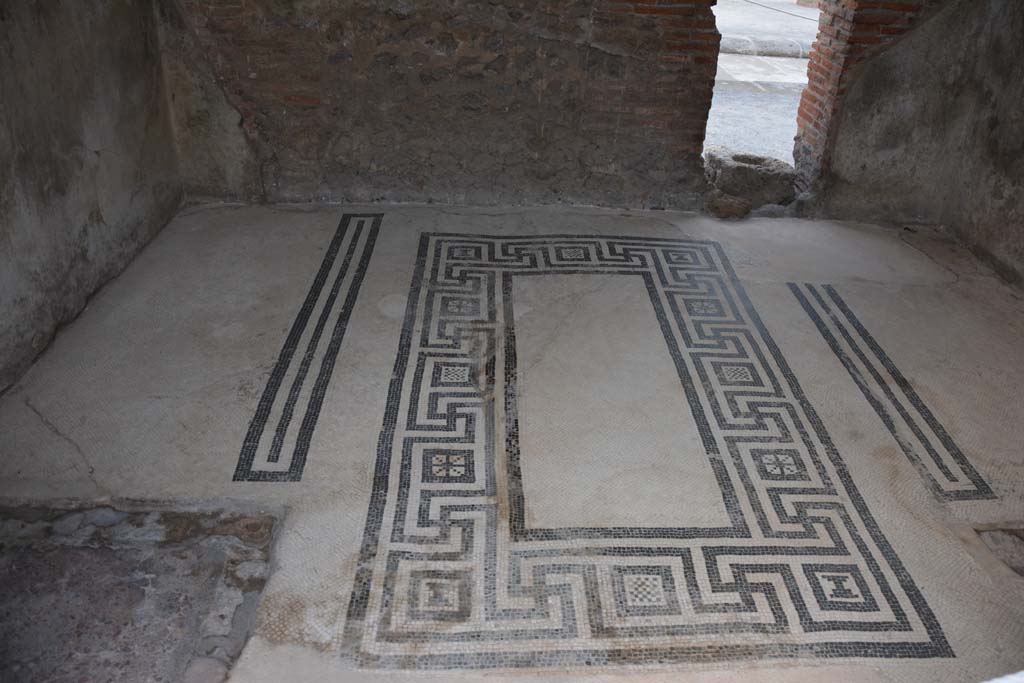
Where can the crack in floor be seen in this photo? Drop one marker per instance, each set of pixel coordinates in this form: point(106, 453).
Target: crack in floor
point(90, 471)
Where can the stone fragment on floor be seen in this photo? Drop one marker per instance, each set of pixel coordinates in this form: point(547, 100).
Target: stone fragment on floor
point(726, 206)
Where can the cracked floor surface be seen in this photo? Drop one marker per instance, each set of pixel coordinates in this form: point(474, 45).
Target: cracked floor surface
point(552, 382)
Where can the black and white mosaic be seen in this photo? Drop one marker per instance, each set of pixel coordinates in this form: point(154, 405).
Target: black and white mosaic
point(299, 380)
point(451, 575)
point(915, 428)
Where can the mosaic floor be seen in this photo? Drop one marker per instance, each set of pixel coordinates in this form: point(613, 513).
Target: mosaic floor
point(565, 442)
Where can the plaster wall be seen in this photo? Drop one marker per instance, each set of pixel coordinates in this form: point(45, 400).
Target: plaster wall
point(932, 131)
point(87, 163)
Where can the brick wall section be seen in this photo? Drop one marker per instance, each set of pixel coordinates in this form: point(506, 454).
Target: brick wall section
point(592, 102)
point(848, 31)
point(680, 43)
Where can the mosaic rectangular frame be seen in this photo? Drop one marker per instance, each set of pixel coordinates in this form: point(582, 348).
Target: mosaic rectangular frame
point(449, 574)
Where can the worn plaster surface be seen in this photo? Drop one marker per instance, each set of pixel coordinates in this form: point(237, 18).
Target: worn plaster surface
point(215, 158)
point(932, 131)
point(564, 443)
point(87, 163)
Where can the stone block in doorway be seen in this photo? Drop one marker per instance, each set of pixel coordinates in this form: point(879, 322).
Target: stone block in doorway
point(742, 179)
point(103, 594)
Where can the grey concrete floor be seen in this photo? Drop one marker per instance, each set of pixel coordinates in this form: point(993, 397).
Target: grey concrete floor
point(778, 28)
point(762, 70)
point(866, 378)
point(755, 104)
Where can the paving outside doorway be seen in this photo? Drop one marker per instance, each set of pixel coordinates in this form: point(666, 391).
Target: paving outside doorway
point(762, 69)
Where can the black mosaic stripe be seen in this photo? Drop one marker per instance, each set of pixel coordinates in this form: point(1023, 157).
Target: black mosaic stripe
point(245, 470)
point(918, 432)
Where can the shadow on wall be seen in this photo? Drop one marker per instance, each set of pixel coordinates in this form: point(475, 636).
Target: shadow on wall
point(87, 165)
point(545, 101)
point(932, 131)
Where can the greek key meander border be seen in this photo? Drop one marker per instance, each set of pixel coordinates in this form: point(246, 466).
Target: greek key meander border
point(887, 571)
point(246, 469)
point(911, 423)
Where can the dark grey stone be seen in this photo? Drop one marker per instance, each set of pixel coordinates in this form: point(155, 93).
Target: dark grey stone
point(68, 524)
point(758, 179)
point(205, 670)
point(104, 516)
point(108, 595)
point(1007, 545)
point(771, 211)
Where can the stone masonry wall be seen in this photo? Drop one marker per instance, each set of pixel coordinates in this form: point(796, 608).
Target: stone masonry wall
point(543, 101)
point(216, 159)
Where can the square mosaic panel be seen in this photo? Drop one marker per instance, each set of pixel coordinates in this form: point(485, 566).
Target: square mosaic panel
point(451, 575)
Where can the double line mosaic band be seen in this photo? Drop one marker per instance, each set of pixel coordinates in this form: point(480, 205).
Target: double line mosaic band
point(450, 574)
point(916, 429)
point(294, 393)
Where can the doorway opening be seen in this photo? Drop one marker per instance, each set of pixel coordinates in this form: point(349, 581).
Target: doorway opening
point(762, 71)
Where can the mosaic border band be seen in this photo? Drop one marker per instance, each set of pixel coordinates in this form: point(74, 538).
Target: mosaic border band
point(329, 303)
point(920, 435)
point(451, 576)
